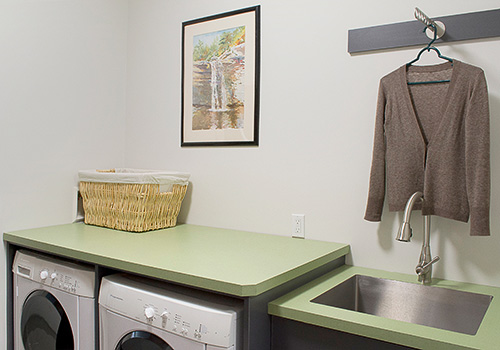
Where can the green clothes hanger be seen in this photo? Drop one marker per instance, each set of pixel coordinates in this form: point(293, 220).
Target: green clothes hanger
point(429, 48)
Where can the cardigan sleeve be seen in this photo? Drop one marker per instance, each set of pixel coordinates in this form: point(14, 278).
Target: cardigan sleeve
point(376, 192)
point(477, 162)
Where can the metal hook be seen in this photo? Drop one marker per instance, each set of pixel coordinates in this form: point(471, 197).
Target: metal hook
point(422, 17)
point(433, 28)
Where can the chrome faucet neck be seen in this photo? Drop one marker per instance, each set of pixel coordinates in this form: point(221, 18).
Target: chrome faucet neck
point(424, 267)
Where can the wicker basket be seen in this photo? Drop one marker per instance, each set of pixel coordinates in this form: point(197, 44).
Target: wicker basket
point(132, 200)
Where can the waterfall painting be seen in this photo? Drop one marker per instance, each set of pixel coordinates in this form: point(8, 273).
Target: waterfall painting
point(220, 79)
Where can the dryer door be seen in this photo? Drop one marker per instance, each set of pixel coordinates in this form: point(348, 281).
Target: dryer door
point(44, 324)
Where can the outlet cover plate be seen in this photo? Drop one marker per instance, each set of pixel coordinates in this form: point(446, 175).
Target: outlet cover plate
point(298, 225)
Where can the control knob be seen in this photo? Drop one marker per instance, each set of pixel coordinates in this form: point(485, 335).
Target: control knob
point(149, 312)
point(44, 274)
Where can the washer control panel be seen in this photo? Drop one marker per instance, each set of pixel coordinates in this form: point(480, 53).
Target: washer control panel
point(203, 321)
point(68, 276)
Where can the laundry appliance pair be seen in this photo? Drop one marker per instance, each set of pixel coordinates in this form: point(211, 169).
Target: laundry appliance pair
point(55, 309)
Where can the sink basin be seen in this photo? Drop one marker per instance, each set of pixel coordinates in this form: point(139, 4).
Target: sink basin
point(415, 303)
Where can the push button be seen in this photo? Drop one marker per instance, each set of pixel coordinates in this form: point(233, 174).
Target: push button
point(149, 312)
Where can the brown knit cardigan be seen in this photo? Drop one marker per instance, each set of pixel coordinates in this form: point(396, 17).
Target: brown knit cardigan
point(433, 138)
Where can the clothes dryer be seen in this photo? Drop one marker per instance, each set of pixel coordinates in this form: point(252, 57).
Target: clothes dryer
point(54, 303)
point(137, 313)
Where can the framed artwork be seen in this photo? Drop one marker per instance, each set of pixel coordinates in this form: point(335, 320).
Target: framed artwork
point(220, 79)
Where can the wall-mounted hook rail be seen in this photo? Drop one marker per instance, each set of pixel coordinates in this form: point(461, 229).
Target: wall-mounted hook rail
point(475, 25)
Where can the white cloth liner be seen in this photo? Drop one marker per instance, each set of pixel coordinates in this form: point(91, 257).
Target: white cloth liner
point(166, 179)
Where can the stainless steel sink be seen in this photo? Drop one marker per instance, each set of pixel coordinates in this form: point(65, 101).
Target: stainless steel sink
point(429, 306)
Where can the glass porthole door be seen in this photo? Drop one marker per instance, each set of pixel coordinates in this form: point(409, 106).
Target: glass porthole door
point(142, 340)
point(44, 324)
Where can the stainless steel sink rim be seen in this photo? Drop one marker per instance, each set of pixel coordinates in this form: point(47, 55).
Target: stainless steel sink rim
point(437, 307)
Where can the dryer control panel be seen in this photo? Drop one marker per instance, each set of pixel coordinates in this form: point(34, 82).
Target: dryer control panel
point(202, 321)
point(64, 275)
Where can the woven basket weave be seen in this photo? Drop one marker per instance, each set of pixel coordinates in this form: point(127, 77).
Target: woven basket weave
point(131, 207)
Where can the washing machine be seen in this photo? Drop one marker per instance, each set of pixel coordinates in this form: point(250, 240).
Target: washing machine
point(54, 303)
point(136, 313)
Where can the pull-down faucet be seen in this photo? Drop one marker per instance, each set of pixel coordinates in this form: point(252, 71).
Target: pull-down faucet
point(424, 267)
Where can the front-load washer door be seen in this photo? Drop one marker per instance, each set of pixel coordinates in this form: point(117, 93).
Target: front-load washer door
point(44, 324)
point(122, 333)
point(142, 340)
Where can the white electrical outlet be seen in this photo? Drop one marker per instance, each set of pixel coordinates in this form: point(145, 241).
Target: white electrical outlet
point(298, 226)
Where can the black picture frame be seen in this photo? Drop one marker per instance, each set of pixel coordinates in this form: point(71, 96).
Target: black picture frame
point(220, 97)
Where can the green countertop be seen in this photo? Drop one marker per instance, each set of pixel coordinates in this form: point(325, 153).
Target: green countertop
point(296, 305)
point(233, 262)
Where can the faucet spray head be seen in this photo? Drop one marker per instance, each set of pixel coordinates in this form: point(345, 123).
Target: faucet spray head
point(404, 233)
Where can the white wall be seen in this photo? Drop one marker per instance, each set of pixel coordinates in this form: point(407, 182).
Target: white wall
point(316, 129)
point(62, 106)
